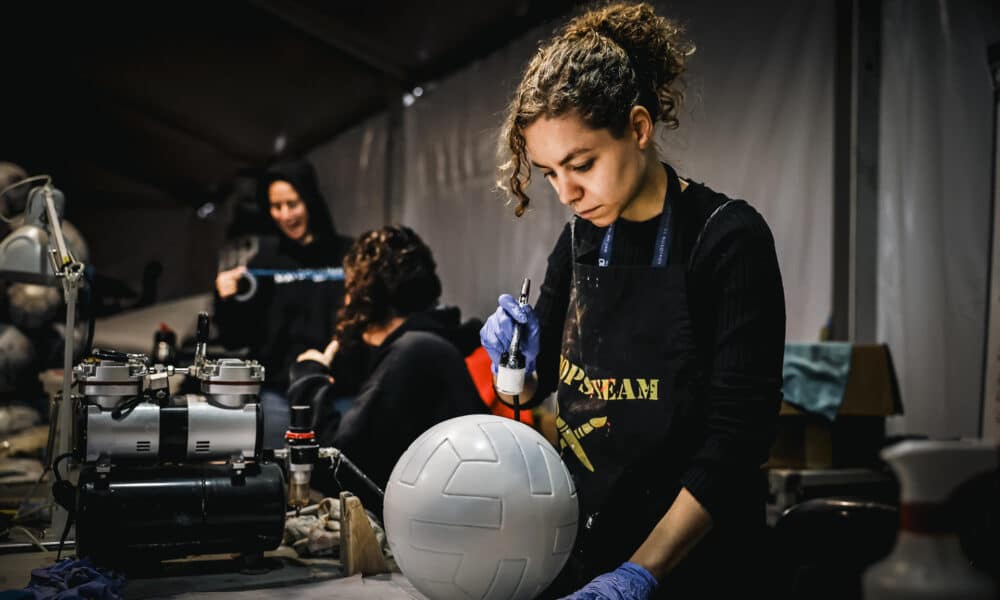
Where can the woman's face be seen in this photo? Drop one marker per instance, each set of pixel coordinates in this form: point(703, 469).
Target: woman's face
point(593, 173)
point(288, 211)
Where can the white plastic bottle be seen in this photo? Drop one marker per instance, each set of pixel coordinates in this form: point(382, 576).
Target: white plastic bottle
point(927, 561)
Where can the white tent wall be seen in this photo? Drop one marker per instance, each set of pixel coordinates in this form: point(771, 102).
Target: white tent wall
point(449, 190)
point(935, 207)
point(757, 125)
point(352, 173)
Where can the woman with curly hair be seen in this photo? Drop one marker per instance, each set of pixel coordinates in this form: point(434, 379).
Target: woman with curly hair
point(416, 373)
point(660, 323)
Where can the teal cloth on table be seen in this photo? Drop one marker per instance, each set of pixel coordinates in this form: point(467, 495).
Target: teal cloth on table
point(814, 376)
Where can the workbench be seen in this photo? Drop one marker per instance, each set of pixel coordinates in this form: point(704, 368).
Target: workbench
point(280, 574)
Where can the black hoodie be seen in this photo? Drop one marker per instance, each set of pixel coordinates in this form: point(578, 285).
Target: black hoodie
point(282, 320)
point(416, 378)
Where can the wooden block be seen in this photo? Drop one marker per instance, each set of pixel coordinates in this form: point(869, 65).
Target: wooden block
point(359, 550)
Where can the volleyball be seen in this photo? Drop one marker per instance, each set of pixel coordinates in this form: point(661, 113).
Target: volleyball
point(480, 506)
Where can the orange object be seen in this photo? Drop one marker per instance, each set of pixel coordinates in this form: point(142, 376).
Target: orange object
point(478, 364)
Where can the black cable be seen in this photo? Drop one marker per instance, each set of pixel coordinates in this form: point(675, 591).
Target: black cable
point(125, 407)
point(65, 534)
point(55, 464)
point(340, 458)
point(517, 407)
point(65, 495)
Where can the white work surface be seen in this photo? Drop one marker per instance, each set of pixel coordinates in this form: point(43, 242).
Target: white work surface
point(379, 587)
point(282, 575)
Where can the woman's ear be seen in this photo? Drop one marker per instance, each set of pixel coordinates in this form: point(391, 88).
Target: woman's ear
point(641, 126)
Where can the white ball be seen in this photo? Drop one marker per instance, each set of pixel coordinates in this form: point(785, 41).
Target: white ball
point(480, 506)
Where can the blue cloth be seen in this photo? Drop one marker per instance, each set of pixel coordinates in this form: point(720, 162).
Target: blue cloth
point(70, 579)
point(627, 582)
point(815, 376)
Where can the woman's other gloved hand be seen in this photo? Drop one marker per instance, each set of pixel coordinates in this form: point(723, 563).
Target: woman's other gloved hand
point(499, 329)
point(627, 582)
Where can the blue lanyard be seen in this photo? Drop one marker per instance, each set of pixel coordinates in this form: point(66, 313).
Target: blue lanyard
point(661, 251)
point(288, 276)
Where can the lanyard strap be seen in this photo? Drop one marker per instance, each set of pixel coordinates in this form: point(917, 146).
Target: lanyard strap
point(661, 250)
point(281, 276)
point(290, 275)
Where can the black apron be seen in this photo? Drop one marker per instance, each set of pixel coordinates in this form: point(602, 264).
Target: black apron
point(629, 418)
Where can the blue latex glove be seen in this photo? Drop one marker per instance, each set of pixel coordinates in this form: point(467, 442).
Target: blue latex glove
point(627, 582)
point(499, 329)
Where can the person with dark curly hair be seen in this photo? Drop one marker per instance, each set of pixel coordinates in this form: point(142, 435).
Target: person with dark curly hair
point(660, 323)
point(416, 375)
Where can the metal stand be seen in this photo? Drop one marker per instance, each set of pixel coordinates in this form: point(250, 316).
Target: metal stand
point(61, 418)
point(990, 414)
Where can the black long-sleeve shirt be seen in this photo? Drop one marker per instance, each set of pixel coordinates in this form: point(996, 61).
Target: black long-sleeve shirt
point(415, 379)
point(280, 321)
point(737, 306)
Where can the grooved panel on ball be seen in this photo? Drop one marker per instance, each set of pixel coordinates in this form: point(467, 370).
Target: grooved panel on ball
point(509, 575)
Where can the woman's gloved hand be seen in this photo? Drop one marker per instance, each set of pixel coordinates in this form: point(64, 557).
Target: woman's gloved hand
point(627, 582)
point(499, 329)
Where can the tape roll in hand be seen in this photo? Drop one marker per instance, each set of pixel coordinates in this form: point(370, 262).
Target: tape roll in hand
point(246, 287)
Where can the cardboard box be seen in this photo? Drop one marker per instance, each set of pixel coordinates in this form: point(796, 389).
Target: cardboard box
point(854, 439)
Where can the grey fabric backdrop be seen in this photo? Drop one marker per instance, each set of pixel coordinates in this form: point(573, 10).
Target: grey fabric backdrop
point(352, 176)
point(757, 125)
point(935, 206)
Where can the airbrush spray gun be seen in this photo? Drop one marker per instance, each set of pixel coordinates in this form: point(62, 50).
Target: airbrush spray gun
point(510, 371)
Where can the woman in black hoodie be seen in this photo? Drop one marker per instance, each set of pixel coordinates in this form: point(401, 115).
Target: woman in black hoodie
point(285, 314)
point(416, 374)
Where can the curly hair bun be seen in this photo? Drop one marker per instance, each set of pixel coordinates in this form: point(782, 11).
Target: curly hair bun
point(653, 44)
point(599, 66)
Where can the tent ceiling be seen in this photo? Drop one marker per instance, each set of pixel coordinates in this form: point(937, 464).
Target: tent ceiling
point(163, 102)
